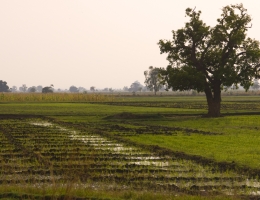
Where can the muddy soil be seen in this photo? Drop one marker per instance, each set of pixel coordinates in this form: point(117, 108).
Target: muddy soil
point(42, 150)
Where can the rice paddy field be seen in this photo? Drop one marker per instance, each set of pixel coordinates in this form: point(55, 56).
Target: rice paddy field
point(94, 146)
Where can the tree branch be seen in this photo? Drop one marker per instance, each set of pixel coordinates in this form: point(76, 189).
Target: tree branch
point(241, 53)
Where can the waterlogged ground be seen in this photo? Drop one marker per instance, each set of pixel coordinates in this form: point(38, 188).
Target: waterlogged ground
point(37, 152)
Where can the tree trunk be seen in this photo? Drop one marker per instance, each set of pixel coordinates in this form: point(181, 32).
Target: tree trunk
point(214, 108)
point(214, 101)
point(154, 89)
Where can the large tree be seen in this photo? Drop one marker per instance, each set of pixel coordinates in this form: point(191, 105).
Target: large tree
point(207, 59)
point(152, 79)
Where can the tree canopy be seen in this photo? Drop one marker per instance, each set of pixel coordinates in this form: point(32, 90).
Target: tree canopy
point(23, 88)
point(48, 89)
point(32, 89)
point(3, 86)
point(92, 88)
point(39, 88)
point(152, 79)
point(73, 89)
point(207, 59)
point(135, 87)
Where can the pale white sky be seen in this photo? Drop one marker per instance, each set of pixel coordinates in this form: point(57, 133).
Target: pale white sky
point(101, 43)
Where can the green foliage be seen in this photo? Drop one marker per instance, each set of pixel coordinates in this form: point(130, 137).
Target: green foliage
point(212, 57)
point(183, 79)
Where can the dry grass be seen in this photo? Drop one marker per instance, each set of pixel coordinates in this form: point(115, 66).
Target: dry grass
point(54, 97)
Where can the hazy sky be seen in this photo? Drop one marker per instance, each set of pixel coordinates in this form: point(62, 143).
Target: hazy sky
point(102, 43)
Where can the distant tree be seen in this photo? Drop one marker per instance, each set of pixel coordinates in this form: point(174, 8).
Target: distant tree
point(231, 87)
point(105, 89)
point(82, 89)
point(256, 85)
point(39, 88)
point(32, 89)
point(206, 59)
point(163, 88)
point(23, 88)
point(125, 88)
point(144, 89)
point(110, 90)
point(92, 88)
point(135, 86)
point(48, 89)
point(152, 79)
point(3, 86)
point(14, 89)
point(73, 89)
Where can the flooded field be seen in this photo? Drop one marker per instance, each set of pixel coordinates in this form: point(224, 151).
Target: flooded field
point(38, 152)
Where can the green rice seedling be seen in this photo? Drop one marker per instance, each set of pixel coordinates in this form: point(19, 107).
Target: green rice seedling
point(52, 140)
